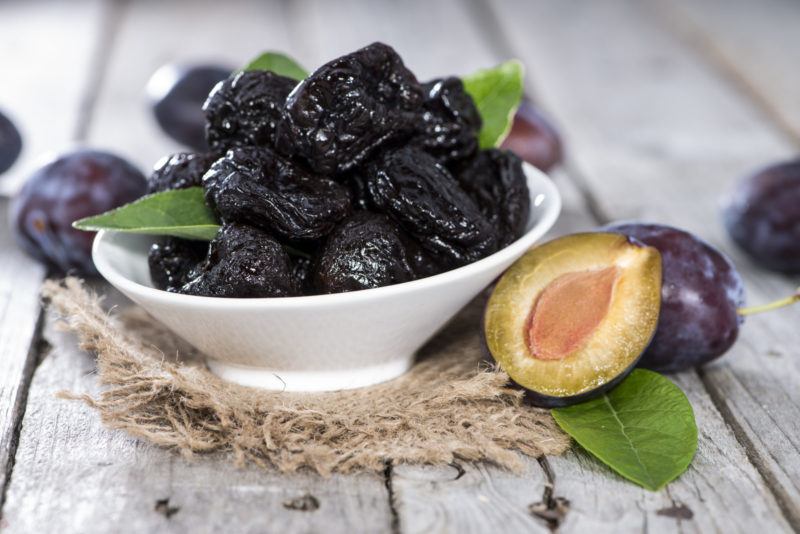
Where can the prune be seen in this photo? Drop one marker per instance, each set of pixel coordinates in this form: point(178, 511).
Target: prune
point(571, 318)
point(179, 171)
point(171, 261)
point(700, 295)
point(763, 216)
point(177, 93)
point(496, 182)
point(450, 122)
point(243, 262)
point(245, 109)
point(363, 252)
point(76, 185)
point(258, 187)
point(348, 107)
point(533, 138)
point(10, 143)
point(421, 195)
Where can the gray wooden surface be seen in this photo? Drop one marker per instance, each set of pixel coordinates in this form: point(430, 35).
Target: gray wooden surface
point(662, 104)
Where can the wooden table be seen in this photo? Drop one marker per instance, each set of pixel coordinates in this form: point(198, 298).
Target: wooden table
point(662, 106)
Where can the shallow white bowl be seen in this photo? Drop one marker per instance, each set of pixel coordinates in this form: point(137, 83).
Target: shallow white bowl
point(317, 343)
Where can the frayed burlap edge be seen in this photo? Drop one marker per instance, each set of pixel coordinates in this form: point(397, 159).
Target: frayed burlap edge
point(448, 407)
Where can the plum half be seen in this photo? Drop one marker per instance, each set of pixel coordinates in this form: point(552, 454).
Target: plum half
point(571, 318)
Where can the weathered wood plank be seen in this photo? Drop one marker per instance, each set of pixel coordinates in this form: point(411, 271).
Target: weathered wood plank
point(46, 56)
point(71, 473)
point(46, 114)
point(756, 45)
point(660, 137)
point(20, 278)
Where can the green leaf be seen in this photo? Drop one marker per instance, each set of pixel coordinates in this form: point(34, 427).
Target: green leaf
point(644, 429)
point(179, 213)
point(497, 93)
point(279, 64)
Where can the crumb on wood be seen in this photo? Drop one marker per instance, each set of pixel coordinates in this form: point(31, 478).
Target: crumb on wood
point(304, 503)
point(677, 511)
point(163, 507)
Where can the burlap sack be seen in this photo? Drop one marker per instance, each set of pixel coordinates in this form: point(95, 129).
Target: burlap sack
point(451, 406)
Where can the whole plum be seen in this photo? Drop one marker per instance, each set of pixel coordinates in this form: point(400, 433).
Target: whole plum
point(75, 185)
point(10, 143)
point(177, 93)
point(534, 138)
point(700, 295)
point(763, 216)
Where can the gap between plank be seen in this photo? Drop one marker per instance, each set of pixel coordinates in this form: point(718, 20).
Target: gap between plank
point(98, 65)
point(387, 480)
point(36, 351)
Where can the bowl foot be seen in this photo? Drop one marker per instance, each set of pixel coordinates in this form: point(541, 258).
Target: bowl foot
point(309, 381)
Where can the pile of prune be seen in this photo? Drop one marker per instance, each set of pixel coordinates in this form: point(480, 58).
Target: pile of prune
point(357, 177)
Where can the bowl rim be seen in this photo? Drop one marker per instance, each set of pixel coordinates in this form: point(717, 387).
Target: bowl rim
point(547, 220)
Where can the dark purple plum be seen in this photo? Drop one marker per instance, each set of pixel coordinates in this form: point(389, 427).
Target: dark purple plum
point(75, 185)
point(10, 143)
point(177, 93)
point(534, 138)
point(700, 295)
point(763, 216)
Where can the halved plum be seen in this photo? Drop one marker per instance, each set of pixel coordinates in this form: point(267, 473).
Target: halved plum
point(571, 318)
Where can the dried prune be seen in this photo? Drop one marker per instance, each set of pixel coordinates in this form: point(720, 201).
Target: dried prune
point(496, 182)
point(258, 187)
point(243, 262)
point(348, 107)
point(177, 93)
point(363, 252)
point(450, 122)
point(171, 260)
point(75, 185)
point(244, 109)
point(179, 171)
point(410, 186)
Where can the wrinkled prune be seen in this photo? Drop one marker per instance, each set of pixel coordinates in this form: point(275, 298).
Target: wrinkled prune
point(701, 293)
point(76, 185)
point(496, 182)
point(363, 252)
point(450, 121)
point(177, 93)
point(258, 187)
point(244, 109)
point(410, 186)
point(534, 138)
point(171, 260)
point(10, 143)
point(179, 171)
point(243, 262)
point(348, 107)
point(763, 216)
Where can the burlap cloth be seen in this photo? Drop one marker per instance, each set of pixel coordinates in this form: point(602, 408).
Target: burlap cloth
point(452, 405)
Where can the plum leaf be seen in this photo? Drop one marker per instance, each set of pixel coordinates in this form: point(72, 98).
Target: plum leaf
point(278, 63)
point(497, 93)
point(644, 429)
point(178, 213)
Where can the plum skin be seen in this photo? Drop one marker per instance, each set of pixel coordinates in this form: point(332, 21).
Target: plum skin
point(75, 185)
point(701, 292)
point(763, 216)
point(534, 138)
point(177, 93)
point(10, 143)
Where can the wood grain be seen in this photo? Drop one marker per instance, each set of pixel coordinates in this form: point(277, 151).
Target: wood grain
point(753, 45)
point(660, 137)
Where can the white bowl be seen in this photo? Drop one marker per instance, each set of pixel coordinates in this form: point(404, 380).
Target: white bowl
point(324, 342)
